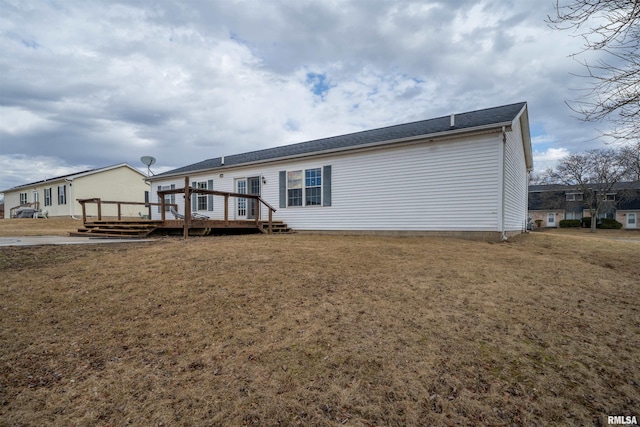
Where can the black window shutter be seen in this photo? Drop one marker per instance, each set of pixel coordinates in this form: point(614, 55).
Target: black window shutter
point(210, 196)
point(326, 186)
point(159, 200)
point(283, 189)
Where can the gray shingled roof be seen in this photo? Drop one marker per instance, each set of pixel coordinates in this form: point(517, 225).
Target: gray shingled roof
point(473, 119)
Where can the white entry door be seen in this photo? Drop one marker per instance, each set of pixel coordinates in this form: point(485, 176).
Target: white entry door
point(632, 220)
point(241, 202)
point(551, 220)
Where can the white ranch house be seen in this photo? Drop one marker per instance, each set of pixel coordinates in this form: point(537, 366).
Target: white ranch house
point(461, 174)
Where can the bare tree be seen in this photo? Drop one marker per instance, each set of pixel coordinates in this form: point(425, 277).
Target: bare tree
point(631, 160)
point(610, 27)
point(594, 173)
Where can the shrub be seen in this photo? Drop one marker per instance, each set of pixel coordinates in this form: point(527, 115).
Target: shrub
point(567, 223)
point(538, 223)
point(586, 222)
point(610, 224)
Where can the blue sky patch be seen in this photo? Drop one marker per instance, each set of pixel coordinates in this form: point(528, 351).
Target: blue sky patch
point(319, 84)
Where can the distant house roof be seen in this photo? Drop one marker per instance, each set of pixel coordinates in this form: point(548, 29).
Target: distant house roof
point(72, 176)
point(627, 185)
point(465, 122)
point(552, 196)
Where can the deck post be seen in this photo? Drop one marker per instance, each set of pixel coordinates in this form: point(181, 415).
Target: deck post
point(119, 211)
point(150, 212)
point(187, 206)
point(226, 209)
point(256, 205)
point(99, 209)
point(270, 221)
point(84, 211)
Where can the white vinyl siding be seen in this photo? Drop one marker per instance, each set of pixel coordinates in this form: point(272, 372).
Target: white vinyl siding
point(515, 181)
point(449, 185)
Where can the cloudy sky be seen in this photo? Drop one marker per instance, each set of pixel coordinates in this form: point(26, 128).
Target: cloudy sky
point(87, 83)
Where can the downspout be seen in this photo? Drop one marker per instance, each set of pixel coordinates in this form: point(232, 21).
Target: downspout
point(73, 202)
point(504, 144)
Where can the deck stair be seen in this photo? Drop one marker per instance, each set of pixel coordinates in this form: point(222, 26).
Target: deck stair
point(278, 227)
point(117, 229)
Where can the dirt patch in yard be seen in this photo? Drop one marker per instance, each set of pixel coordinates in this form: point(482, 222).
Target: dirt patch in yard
point(320, 330)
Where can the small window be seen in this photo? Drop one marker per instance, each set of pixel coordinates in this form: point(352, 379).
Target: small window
point(610, 197)
point(575, 197)
point(202, 198)
point(24, 198)
point(294, 188)
point(62, 194)
point(168, 198)
point(313, 187)
point(47, 197)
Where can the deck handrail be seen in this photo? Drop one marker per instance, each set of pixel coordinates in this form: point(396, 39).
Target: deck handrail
point(100, 202)
point(188, 191)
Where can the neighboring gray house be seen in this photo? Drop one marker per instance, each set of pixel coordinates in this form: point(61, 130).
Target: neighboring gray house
point(550, 204)
point(459, 174)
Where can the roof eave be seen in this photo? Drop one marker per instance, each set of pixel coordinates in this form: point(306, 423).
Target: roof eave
point(429, 137)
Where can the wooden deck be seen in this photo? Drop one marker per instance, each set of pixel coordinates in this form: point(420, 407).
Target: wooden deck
point(190, 224)
point(138, 229)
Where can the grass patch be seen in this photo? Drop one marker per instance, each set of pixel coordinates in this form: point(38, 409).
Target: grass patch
point(320, 330)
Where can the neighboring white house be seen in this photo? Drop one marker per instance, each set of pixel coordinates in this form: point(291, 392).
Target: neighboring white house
point(58, 196)
point(460, 173)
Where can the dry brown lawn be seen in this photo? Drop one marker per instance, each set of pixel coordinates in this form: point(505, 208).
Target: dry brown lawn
point(38, 227)
point(320, 330)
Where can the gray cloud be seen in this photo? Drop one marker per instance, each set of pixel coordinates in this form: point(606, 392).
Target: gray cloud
point(90, 83)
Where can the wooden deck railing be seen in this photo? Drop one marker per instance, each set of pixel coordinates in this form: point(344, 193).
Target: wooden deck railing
point(188, 191)
point(101, 202)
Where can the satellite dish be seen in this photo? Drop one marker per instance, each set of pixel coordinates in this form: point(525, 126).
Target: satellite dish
point(148, 160)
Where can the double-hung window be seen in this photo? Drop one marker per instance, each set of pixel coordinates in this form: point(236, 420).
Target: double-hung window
point(62, 194)
point(313, 187)
point(202, 198)
point(294, 188)
point(169, 199)
point(47, 197)
point(24, 198)
point(304, 187)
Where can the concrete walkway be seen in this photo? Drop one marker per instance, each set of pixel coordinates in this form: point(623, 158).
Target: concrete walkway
point(60, 240)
